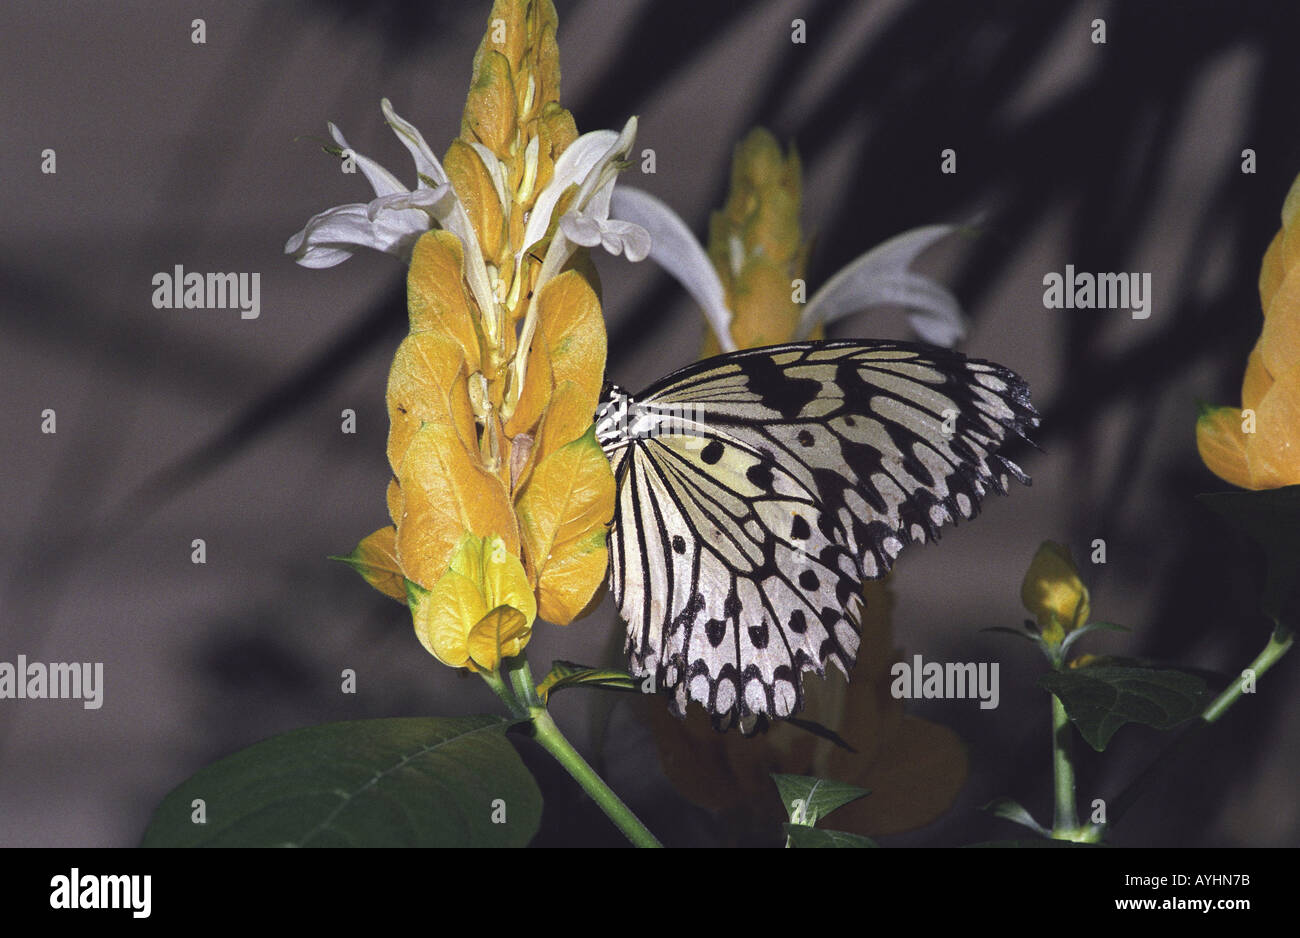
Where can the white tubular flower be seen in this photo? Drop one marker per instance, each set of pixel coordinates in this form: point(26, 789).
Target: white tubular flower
point(391, 223)
point(592, 163)
point(674, 248)
point(879, 277)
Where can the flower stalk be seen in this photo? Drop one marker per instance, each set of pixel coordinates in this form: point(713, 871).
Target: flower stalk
point(553, 741)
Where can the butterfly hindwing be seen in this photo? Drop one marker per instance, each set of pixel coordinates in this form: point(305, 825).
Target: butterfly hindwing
point(758, 489)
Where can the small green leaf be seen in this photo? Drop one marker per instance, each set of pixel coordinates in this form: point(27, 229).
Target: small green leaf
point(417, 782)
point(803, 836)
point(1091, 627)
point(1099, 700)
point(567, 674)
point(807, 798)
point(1271, 517)
point(1018, 633)
point(1012, 811)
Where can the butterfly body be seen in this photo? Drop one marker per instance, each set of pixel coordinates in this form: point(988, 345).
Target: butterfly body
point(758, 489)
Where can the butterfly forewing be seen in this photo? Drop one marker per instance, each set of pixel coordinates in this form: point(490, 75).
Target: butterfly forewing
point(758, 489)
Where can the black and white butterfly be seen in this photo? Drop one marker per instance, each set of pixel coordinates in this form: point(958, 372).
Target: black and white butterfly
point(758, 489)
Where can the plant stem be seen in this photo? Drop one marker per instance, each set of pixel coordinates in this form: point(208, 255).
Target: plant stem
point(552, 740)
point(521, 679)
point(1278, 644)
point(1065, 822)
point(499, 687)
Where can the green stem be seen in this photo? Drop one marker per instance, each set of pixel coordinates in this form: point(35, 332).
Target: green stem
point(1065, 822)
point(553, 741)
point(520, 677)
point(1278, 644)
point(499, 687)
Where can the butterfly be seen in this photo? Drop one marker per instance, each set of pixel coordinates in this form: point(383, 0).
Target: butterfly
point(758, 489)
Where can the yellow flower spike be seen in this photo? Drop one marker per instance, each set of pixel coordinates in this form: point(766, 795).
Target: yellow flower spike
point(572, 327)
point(756, 243)
point(436, 297)
point(427, 384)
point(1054, 594)
point(564, 512)
point(484, 202)
point(393, 498)
point(1257, 381)
point(445, 492)
point(1222, 445)
point(480, 610)
point(490, 111)
point(1260, 449)
point(536, 394)
point(1273, 450)
point(1271, 272)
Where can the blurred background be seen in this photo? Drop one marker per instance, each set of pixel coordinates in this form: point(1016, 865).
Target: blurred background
point(182, 424)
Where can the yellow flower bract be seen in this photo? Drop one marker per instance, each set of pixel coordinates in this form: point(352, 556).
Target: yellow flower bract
point(1258, 445)
point(501, 498)
point(481, 609)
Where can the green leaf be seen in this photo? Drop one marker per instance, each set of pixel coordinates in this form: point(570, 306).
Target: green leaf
point(803, 836)
point(567, 674)
point(1101, 699)
point(1271, 517)
point(808, 798)
point(1012, 811)
point(1030, 844)
point(1018, 633)
point(1091, 627)
point(412, 781)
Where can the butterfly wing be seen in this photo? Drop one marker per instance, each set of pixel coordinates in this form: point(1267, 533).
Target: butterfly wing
point(758, 489)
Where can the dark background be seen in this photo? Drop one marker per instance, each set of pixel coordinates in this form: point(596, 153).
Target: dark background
point(177, 424)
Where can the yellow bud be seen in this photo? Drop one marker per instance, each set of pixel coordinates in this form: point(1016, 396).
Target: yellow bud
point(1053, 592)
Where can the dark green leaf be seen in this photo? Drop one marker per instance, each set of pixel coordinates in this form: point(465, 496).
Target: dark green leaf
point(1271, 517)
point(1012, 811)
point(824, 732)
point(417, 782)
point(1101, 699)
point(808, 799)
point(567, 674)
point(803, 836)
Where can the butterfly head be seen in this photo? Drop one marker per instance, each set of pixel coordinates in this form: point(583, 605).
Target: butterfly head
point(611, 416)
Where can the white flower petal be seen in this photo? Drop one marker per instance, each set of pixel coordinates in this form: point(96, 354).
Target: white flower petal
point(332, 236)
point(570, 169)
point(674, 248)
point(426, 164)
point(426, 200)
point(880, 277)
point(449, 213)
point(581, 229)
point(632, 239)
point(380, 179)
point(599, 181)
point(616, 237)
